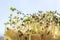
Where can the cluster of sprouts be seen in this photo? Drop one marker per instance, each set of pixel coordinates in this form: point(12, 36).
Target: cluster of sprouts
point(43, 22)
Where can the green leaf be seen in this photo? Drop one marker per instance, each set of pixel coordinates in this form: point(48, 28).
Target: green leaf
point(26, 19)
point(12, 9)
point(6, 23)
point(18, 12)
point(10, 14)
point(13, 22)
point(40, 11)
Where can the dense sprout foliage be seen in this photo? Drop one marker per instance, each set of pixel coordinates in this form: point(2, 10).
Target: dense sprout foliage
point(42, 22)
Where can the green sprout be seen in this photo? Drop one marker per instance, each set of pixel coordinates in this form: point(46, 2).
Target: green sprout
point(12, 9)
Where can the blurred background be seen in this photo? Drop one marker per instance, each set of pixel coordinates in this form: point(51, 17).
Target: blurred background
point(25, 6)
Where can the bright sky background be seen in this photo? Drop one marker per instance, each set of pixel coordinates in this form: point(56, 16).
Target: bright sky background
point(26, 6)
